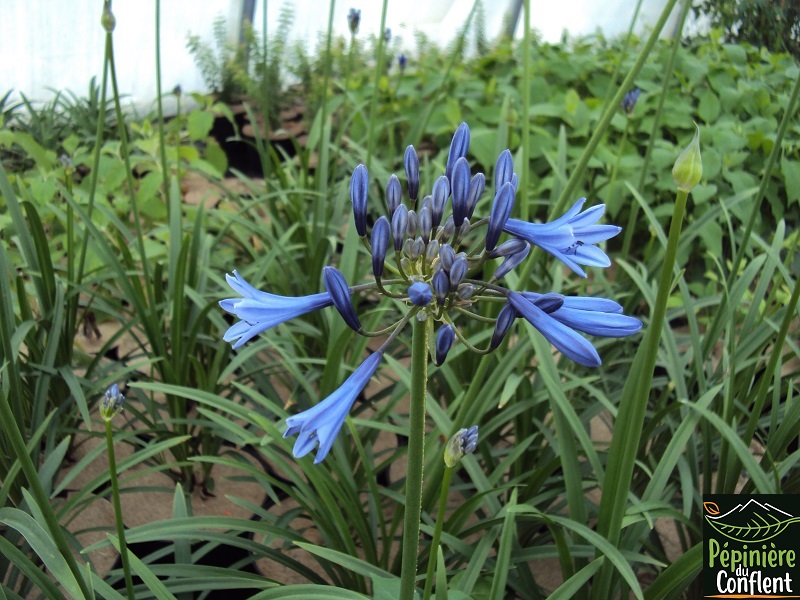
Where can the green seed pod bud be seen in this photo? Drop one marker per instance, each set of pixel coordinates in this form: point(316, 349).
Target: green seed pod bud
point(111, 403)
point(462, 443)
point(688, 169)
point(107, 20)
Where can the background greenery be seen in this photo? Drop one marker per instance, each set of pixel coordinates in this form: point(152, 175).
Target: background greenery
point(95, 232)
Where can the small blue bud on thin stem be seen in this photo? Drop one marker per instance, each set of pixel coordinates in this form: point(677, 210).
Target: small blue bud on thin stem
point(399, 226)
point(476, 186)
point(379, 243)
point(411, 165)
point(447, 255)
point(340, 295)
point(458, 271)
point(629, 101)
point(359, 187)
point(425, 222)
point(460, 186)
point(503, 171)
point(458, 148)
point(511, 262)
point(464, 442)
point(413, 224)
point(111, 403)
point(501, 210)
point(508, 248)
point(394, 194)
point(441, 191)
point(505, 320)
point(444, 341)
point(441, 286)
point(420, 293)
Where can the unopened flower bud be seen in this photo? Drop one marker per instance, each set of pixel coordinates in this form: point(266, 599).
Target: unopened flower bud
point(425, 222)
point(458, 271)
point(340, 295)
point(508, 248)
point(460, 189)
point(379, 243)
point(447, 255)
point(688, 169)
point(111, 403)
point(511, 262)
point(441, 286)
point(444, 341)
point(629, 101)
point(411, 165)
point(505, 320)
point(501, 210)
point(432, 251)
point(503, 171)
point(399, 226)
point(441, 192)
point(420, 293)
point(449, 229)
point(413, 224)
point(464, 442)
point(476, 186)
point(107, 20)
point(462, 231)
point(458, 148)
point(465, 291)
point(393, 194)
point(353, 20)
point(359, 186)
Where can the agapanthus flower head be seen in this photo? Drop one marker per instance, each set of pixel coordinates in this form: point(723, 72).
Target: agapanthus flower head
point(464, 442)
point(319, 425)
point(441, 252)
point(402, 61)
point(353, 20)
point(629, 101)
point(111, 403)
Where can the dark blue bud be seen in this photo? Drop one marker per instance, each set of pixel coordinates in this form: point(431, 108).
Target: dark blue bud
point(340, 295)
point(458, 271)
point(413, 224)
point(441, 286)
point(402, 61)
point(629, 101)
point(449, 228)
point(420, 293)
point(458, 148)
point(394, 194)
point(399, 225)
point(462, 231)
point(447, 255)
point(353, 20)
point(501, 210)
point(359, 184)
point(379, 243)
point(549, 303)
point(425, 223)
point(418, 247)
point(444, 341)
point(504, 170)
point(508, 248)
point(476, 186)
point(441, 191)
point(465, 291)
point(460, 185)
point(411, 164)
point(504, 322)
point(511, 262)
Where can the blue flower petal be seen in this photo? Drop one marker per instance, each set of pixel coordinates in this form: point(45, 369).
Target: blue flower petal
point(322, 423)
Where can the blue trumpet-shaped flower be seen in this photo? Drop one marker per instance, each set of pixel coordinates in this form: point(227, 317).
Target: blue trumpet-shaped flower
point(558, 317)
point(260, 311)
point(320, 424)
point(571, 238)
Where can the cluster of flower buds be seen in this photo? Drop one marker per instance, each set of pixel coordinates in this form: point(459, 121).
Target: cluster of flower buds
point(432, 254)
point(111, 403)
point(353, 20)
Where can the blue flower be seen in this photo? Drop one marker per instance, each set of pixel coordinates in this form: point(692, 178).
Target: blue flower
point(321, 423)
point(353, 20)
point(111, 403)
point(571, 238)
point(402, 61)
point(629, 101)
point(557, 317)
point(260, 311)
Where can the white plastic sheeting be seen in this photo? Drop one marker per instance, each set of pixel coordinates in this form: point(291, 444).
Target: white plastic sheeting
point(50, 45)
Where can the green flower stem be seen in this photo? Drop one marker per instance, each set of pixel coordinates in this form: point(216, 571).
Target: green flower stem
point(123, 548)
point(634, 212)
point(437, 533)
point(161, 143)
point(416, 455)
point(17, 442)
point(633, 406)
point(620, 150)
point(322, 176)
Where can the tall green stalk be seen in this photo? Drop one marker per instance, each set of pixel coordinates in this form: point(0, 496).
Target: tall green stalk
point(322, 174)
point(159, 105)
point(416, 455)
point(112, 473)
point(437, 532)
point(526, 103)
point(633, 405)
